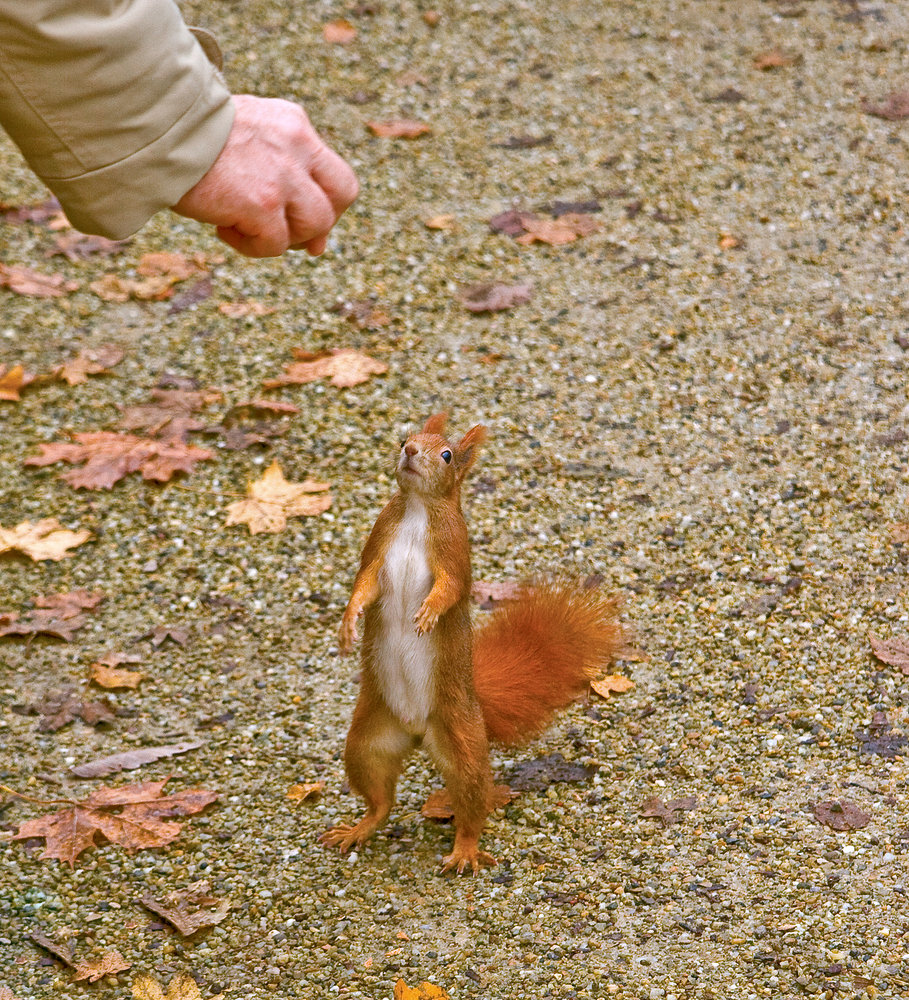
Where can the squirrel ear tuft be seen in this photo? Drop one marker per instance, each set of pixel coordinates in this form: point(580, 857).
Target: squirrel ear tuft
point(467, 448)
point(435, 424)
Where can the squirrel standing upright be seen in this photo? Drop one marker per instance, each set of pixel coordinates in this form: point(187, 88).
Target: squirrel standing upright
point(426, 677)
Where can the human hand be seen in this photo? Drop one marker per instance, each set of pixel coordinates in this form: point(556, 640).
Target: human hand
point(275, 186)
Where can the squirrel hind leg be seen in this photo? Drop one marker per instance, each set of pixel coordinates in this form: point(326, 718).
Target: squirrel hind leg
point(466, 851)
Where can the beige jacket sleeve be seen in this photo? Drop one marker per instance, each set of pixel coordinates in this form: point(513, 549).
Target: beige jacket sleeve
point(113, 104)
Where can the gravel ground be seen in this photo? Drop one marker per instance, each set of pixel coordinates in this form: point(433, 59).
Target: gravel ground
point(704, 403)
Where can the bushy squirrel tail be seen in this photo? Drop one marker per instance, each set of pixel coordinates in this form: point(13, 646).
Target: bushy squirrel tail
point(537, 653)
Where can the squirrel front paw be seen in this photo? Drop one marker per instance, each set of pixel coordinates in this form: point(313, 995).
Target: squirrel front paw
point(425, 619)
point(347, 635)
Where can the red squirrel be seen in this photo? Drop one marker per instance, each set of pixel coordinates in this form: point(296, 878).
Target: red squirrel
point(426, 677)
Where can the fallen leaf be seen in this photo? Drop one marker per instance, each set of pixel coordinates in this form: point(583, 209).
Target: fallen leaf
point(56, 614)
point(425, 991)
point(112, 677)
point(668, 812)
point(175, 633)
point(109, 456)
point(44, 539)
point(272, 499)
point(159, 273)
point(12, 382)
point(58, 708)
point(728, 96)
point(398, 128)
point(108, 965)
point(71, 602)
point(191, 295)
point(40, 213)
point(239, 310)
point(182, 987)
point(878, 738)
point(129, 760)
point(267, 405)
point(560, 208)
point(439, 805)
point(61, 952)
point(488, 595)
point(556, 232)
point(538, 774)
point(840, 815)
point(893, 652)
point(143, 819)
point(344, 366)
point(339, 32)
point(774, 59)
point(894, 107)
point(612, 684)
point(77, 246)
point(447, 222)
point(726, 241)
point(169, 416)
point(25, 281)
point(189, 909)
point(364, 314)
point(494, 296)
point(525, 141)
point(302, 792)
point(89, 361)
point(899, 533)
point(511, 222)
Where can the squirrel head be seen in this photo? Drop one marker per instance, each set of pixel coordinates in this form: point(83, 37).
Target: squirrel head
point(430, 465)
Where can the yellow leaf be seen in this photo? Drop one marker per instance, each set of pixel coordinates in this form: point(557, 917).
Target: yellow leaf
point(44, 539)
point(302, 792)
point(272, 499)
point(613, 684)
point(112, 677)
point(182, 987)
point(425, 991)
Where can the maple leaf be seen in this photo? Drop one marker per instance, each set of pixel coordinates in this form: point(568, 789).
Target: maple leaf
point(556, 232)
point(113, 677)
point(893, 108)
point(25, 281)
point(344, 366)
point(272, 499)
point(12, 382)
point(494, 296)
point(40, 213)
point(109, 964)
point(59, 708)
point(169, 415)
point(80, 246)
point(612, 684)
point(841, 815)
point(425, 991)
point(668, 812)
point(189, 909)
point(90, 361)
point(439, 804)
point(44, 539)
point(302, 792)
point(129, 760)
point(398, 128)
point(894, 652)
point(143, 819)
point(182, 987)
point(339, 32)
point(109, 456)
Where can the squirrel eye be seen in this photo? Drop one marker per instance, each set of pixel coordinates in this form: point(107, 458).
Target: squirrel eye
point(446, 456)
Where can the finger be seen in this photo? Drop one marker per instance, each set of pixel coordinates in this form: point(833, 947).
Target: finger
point(310, 215)
point(271, 241)
point(335, 177)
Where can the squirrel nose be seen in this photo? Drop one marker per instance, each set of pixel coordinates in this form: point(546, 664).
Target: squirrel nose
point(410, 450)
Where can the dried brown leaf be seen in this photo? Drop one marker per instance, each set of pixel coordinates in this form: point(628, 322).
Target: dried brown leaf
point(339, 32)
point(893, 108)
point(108, 965)
point(40, 213)
point(12, 382)
point(189, 909)
point(840, 814)
point(77, 246)
point(25, 281)
point(58, 708)
point(169, 415)
point(44, 539)
point(556, 232)
point(445, 222)
point(494, 296)
point(182, 987)
point(63, 953)
point(129, 760)
point(144, 819)
point(114, 677)
point(612, 684)
point(108, 457)
point(399, 128)
point(272, 499)
point(894, 652)
point(90, 361)
point(239, 310)
point(306, 790)
point(668, 812)
point(774, 59)
point(344, 366)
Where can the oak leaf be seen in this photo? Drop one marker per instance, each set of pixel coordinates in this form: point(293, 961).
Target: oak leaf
point(169, 416)
point(344, 366)
point(90, 361)
point(398, 128)
point(133, 816)
point(12, 382)
point(44, 539)
point(494, 296)
point(182, 987)
point(108, 457)
point(109, 964)
point(612, 684)
point(189, 909)
point(668, 812)
point(894, 652)
point(272, 499)
point(129, 760)
point(25, 281)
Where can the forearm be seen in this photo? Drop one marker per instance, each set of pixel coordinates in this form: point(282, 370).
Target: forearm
point(113, 104)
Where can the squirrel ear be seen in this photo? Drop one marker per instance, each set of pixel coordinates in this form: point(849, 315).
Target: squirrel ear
point(467, 448)
point(435, 424)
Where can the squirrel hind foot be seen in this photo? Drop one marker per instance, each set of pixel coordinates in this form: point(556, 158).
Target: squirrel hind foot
point(462, 856)
point(344, 836)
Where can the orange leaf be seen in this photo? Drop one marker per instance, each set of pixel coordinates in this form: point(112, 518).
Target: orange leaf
point(12, 382)
point(441, 222)
point(612, 684)
point(425, 991)
point(339, 32)
point(345, 368)
point(302, 792)
point(112, 677)
point(398, 128)
point(25, 281)
point(90, 361)
point(774, 59)
point(111, 963)
point(272, 499)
